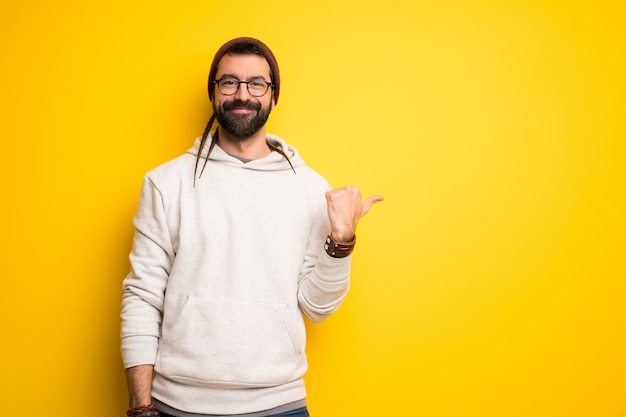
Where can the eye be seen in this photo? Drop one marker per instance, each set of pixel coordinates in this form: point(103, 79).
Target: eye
point(258, 84)
point(227, 82)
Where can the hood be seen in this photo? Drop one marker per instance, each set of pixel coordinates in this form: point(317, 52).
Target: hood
point(272, 162)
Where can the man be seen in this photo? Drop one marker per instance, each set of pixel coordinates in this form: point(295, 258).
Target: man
point(234, 241)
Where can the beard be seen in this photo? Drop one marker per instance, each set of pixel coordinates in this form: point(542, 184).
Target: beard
point(241, 125)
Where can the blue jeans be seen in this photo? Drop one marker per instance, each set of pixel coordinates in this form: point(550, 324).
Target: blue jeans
point(295, 413)
point(303, 412)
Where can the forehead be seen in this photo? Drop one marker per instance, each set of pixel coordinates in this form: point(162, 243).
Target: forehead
point(243, 66)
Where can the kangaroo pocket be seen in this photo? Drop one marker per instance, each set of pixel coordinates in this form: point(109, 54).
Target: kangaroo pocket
point(231, 343)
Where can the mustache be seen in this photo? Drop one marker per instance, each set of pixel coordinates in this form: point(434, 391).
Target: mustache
point(239, 104)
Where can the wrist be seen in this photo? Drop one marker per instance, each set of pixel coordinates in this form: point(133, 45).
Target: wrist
point(148, 410)
point(343, 237)
point(339, 249)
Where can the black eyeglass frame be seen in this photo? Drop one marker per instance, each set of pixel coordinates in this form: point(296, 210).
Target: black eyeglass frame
point(247, 83)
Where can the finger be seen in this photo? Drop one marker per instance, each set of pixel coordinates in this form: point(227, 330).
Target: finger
point(367, 204)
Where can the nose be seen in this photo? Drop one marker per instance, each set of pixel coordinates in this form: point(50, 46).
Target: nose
point(242, 92)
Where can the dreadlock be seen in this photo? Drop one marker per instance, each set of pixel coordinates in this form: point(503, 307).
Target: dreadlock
point(275, 148)
point(205, 135)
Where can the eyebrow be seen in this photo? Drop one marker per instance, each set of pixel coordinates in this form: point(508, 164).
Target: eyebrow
point(255, 77)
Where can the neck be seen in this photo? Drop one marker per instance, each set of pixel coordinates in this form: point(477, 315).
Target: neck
point(253, 147)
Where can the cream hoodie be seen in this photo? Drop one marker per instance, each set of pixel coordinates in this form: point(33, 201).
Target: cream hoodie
point(221, 274)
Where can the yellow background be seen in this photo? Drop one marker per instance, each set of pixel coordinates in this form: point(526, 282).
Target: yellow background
point(491, 282)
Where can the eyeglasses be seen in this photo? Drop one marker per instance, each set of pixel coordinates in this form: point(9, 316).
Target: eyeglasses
point(256, 88)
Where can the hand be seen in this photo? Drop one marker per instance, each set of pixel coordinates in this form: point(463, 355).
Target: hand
point(345, 208)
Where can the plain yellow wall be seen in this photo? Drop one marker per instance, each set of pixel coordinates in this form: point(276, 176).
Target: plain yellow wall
point(491, 282)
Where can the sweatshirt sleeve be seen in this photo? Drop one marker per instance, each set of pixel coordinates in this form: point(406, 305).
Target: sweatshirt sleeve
point(144, 288)
point(324, 280)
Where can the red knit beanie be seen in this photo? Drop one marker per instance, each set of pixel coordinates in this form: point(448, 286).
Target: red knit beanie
point(246, 46)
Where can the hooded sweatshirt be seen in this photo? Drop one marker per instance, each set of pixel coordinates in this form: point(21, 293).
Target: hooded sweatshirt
point(221, 273)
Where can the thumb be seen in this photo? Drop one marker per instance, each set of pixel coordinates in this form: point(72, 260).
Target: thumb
point(367, 204)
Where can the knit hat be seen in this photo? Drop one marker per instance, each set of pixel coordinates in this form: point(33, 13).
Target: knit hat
point(246, 46)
